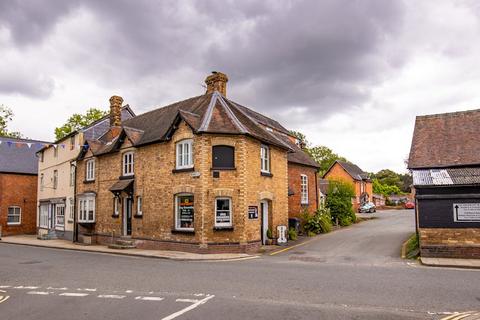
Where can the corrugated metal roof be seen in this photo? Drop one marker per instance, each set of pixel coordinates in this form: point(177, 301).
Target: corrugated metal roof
point(445, 177)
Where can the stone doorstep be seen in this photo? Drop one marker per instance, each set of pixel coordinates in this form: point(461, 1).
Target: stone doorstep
point(449, 262)
point(159, 254)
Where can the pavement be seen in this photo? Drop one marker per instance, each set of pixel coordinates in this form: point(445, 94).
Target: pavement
point(454, 263)
point(31, 240)
point(353, 283)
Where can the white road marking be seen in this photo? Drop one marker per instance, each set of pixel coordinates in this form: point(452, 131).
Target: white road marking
point(5, 287)
point(187, 300)
point(26, 287)
point(4, 298)
point(149, 298)
point(41, 293)
point(3, 291)
point(73, 294)
point(191, 307)
point(110, 296)
point(128, 291)
point(87, 289)
point(52, 288)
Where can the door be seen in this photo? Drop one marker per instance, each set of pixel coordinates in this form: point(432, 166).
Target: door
point(127, 216)
point(52, 217)
point(264, 213)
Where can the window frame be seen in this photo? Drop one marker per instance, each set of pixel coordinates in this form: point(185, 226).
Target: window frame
point(232, 148)
point(180, 156)
point(57, 225)
point(71, 209)
point(19, 215)
point(90, 172)
point(140, 206)
point(265, 158)
point(55, 179)
point(304, 193)
point(43, 216)
point(84, 204)
point(230, 211)
point(130, 164)
point(177, 220)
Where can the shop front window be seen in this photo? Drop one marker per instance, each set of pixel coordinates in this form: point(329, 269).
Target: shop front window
point(184, 212)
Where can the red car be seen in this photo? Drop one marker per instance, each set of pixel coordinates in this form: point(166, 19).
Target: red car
point(409, 205)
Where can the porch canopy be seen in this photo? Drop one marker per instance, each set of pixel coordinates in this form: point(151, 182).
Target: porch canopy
point(122, 185)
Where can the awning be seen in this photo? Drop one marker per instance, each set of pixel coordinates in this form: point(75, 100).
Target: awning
point(122, 185)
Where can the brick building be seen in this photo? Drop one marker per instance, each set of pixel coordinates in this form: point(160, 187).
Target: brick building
point(18, 185)
point(445, 163)
point(203, 175)
point(351, 173)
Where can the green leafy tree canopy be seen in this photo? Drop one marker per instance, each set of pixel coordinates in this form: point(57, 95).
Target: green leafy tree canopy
point(6, 115)
point(339, 201)
point(78, 121)
point(325, 157)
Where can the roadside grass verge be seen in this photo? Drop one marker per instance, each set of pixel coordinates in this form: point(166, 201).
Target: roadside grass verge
point(410, 248)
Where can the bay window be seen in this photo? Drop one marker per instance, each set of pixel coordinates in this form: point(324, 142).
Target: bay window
point(86, 209)
point(128, 164)
point(43, 216)
point(184, 212)
point(265, 159)
point(223, 212)
point(184, 154)
point(14, 215)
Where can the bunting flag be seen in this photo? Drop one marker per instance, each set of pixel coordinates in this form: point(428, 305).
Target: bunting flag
point(21, 144)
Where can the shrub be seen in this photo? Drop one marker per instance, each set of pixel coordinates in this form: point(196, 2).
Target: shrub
point(339, 201)
point(320, 222)
point(292, 234)
point(269, 234)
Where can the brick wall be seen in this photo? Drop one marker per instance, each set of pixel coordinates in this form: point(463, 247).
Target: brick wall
point(295, 208)
point(158, 185)
point(450, 243)
point(18, 190)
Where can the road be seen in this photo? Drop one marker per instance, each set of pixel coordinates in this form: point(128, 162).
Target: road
point(353, 273)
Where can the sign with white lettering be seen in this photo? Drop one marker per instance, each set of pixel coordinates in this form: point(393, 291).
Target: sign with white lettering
point(466, 212)
point(252, 212)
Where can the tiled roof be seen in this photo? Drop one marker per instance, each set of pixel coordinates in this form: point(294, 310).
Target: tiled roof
point(297, 155)
point(446, 176)
point(352, 169)
point(446, 140)
point(21, 158)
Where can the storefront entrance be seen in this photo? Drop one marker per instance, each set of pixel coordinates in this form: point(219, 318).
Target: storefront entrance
point(264, 214)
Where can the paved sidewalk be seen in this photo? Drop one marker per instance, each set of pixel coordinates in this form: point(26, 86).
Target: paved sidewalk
point(161, 254)
point(446, 262)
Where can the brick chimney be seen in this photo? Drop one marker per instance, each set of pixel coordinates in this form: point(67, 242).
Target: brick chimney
point(116, 111)
point(217, 81)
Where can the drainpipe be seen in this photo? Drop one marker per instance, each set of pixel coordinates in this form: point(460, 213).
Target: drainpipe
point(75, 226)
point(316, 190)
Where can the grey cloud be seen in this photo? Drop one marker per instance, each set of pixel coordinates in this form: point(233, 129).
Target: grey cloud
point(26, 83)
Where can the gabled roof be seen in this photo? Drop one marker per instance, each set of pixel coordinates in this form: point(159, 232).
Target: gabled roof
point(208, 113)
point(446, 177)
point(19, 155)
point(352, 169)
point(446, 140)
point(297, 155)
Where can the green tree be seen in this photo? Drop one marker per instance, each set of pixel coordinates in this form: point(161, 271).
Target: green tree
point(324, 156)
point(6, 115)
point(301, 137)
point(78, 121)
point(385, 189)
point(339, 201)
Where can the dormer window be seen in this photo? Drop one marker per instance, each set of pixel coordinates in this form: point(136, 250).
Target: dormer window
point(128, 162)
point(265, 159)
point(184, 154)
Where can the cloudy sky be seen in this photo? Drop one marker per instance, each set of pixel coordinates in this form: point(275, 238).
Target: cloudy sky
point(351, 75)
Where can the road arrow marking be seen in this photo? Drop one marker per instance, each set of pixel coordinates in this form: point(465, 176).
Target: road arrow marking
point(4, 298)
point(191, 307)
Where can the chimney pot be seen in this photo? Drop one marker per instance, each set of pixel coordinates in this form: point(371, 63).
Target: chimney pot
point(217, 81)
point(116, 111)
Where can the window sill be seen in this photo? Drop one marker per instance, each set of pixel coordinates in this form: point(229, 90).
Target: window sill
point(223, 229)
point(176, 231)
point(14, 224)
point(183, 170)
point(86, 222)
point(126, 177)
point(224, 169)
point(138, 216)
point(69, 221)
point(266, 174)
point(88, 181)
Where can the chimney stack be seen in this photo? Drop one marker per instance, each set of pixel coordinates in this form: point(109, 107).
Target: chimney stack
point(116, 111)
point(217, 81)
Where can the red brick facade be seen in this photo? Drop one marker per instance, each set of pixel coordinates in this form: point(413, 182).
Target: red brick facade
point(295, 206)
point(19, 190)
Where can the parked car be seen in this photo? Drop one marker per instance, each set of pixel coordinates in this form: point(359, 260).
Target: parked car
point(367, 207)
point(410, 205)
